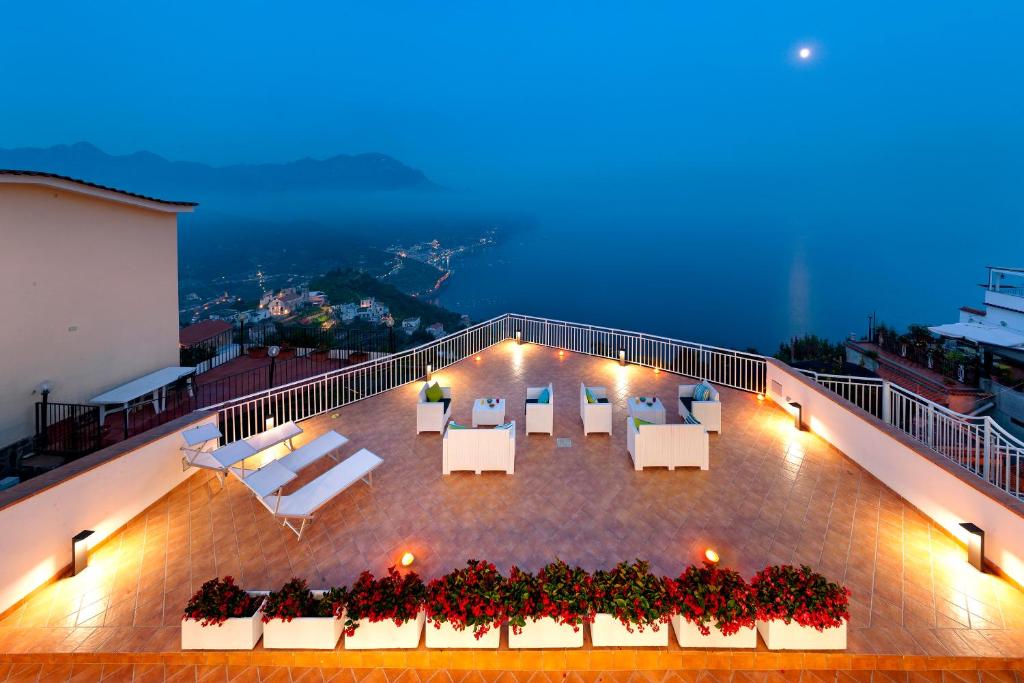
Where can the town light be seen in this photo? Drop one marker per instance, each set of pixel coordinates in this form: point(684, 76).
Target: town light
point(407, 559)
point(975, 545)
point(80, 551)
point(622, 357)
point(430, 371)
point(710, 556)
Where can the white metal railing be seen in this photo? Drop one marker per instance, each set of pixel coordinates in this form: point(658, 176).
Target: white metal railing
point(746, 371)
point(977, 444)
point(312, 396)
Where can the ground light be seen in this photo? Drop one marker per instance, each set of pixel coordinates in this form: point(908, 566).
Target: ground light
point(710, 556)
point(478, 358)
point(760, 397)
point(407, 559)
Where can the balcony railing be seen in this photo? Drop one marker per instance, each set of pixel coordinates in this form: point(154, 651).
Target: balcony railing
point(977, 444)
point(309, 397)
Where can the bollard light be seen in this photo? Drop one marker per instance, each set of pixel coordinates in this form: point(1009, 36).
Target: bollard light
point(430, 371)
point(268, 424)
point(798, 416)
point(80, 551)
point(975, 545)
point(519, 337)
point(622, 357)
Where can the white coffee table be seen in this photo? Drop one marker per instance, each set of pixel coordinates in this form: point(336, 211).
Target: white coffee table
point(484, 414)
point(655, 414)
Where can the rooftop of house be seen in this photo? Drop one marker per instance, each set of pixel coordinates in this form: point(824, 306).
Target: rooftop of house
point(772, 495)
point(54, 180)
point(201, 331)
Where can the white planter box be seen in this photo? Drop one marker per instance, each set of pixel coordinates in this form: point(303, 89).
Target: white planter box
point(237, 633)
point(778, 635)
point(545, 633)
point(385, 635)
point(688, 635)
point(303, 633)
point(607, 631)
point(448, 638)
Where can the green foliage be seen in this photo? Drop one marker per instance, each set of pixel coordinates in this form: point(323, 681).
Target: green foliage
point(812, 347)
point(633, 595)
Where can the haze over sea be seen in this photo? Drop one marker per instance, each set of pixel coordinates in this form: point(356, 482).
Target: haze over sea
point(689, 173)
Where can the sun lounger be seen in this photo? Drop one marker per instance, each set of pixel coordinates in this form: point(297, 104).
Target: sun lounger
point(201, 449)
point(304, 502)
point(322, 446)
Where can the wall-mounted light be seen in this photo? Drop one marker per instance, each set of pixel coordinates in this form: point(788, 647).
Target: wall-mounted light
point(622, 357)
point(710, 556)
point(407, 559)
point(975, 545)
point(798, 415)
point(80, 551)
point(430, 371)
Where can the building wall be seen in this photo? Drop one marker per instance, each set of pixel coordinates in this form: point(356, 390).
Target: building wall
point(904, 467)
point(37, 528)
point(92, 298)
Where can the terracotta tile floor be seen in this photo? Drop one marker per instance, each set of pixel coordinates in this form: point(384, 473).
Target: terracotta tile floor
point(772, 495)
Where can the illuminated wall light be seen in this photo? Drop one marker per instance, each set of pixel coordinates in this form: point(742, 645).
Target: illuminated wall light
point(407, 559)
point(710, 556)
point(622, 357)
point(80, 551)
point(430, 371)
point(975, 545)
point(798, 415)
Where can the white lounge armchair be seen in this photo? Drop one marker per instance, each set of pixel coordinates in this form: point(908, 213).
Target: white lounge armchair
point(667, 445)
point(708, 412)
point(540, 417)
point(432, 416)
point(300, 507)
point(201, 446)
point(480, 449)
point(597, 416)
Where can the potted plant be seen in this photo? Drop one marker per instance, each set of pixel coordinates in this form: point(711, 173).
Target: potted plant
point(222, 616)
point(296, 617)
point(464, 607)
point(799, 609)
point(384, 613)
point(632, 606)
point(548, 610)
point(713, 607)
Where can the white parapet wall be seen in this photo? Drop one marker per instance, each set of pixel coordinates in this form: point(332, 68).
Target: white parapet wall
point(924, 478)
point(106, 490)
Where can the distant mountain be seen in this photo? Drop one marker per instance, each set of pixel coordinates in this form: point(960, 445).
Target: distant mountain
point(148, 173)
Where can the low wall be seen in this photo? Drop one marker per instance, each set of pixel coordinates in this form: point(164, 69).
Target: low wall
point(924, 478)
point(102, 492)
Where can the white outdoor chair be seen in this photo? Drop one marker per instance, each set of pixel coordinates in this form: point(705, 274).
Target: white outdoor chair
point(708, 413)
point(667, 445)
point(300, 506)
point(540, 417)
point(597, 417)
point(479, 449)
point(431, 416)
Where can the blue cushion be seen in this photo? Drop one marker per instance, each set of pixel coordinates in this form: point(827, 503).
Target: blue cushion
point(690, 419)
point(544, 397)
point(507, 425)
point(455, 425)
point(702, 392)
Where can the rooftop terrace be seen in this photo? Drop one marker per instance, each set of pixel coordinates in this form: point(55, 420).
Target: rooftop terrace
point(773, 494)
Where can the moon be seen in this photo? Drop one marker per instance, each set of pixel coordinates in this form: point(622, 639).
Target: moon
point(805, 53)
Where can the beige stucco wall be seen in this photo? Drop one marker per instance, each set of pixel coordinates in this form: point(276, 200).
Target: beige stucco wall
point(90, 297)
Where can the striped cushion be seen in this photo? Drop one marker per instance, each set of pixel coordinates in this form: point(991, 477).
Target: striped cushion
point(702, 392)
point(690, 419)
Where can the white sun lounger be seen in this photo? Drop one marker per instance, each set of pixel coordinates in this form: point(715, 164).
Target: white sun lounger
point(305, 455)
point(304, 503)
point(201, 449)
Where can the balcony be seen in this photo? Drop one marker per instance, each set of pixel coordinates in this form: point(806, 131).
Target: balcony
point(773, 494)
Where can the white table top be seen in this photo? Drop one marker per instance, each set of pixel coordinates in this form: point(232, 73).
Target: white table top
point(481, 404)
point(268, 478)
point(129, 391)
point(634, 402)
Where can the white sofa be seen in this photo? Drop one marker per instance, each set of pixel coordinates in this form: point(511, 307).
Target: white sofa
point(597, 417)
point(540, 417)
point(667, 445)
point(479, 449)
point(433, 416)
point(709, 413)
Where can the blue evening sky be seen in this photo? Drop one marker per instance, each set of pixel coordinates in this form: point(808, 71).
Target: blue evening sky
point(482, 94)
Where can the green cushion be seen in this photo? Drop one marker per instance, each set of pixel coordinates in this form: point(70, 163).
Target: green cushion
point(637, 421)
point(590, 396)
point(434, 393)
point(544, 397)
